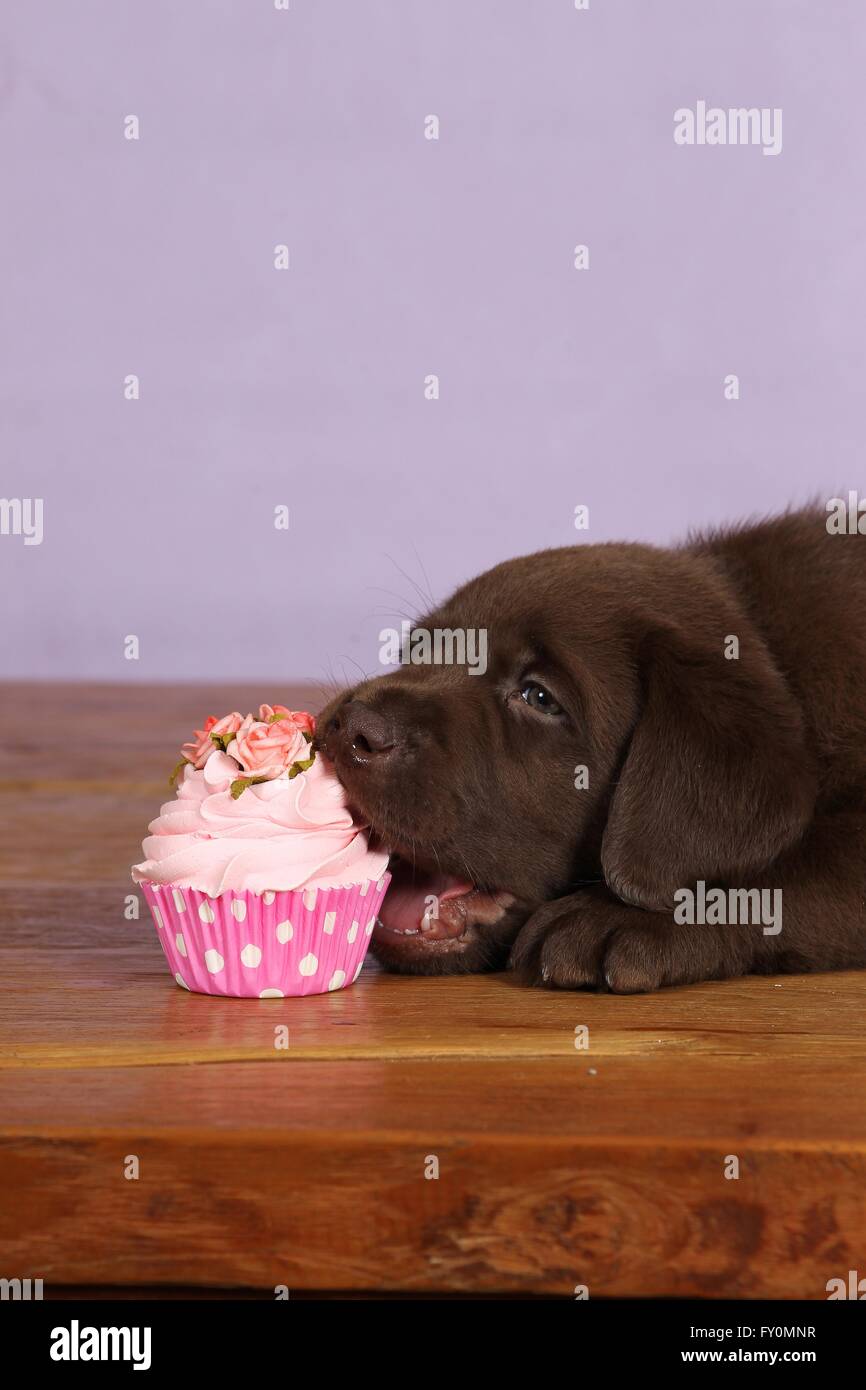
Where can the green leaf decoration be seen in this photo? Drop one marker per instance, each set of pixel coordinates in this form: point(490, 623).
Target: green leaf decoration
point(240, 784)
point(177, 771)
point(275, 718)
point(307, 736)
point(301, 767)
point(222, 740)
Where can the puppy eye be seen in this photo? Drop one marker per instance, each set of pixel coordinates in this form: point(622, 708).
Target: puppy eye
point(537, 697)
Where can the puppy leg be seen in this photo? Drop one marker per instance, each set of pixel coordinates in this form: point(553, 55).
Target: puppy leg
point(591, 939)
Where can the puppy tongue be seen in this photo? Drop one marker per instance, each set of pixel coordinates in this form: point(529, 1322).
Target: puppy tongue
point(417, 902)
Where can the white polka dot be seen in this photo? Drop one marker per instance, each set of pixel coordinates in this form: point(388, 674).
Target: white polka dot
point(365, 888)
point(352, 932)
point(205, 912)
point(251, 955)
point(370, 925)
point(337, 980)
point(330, 919)
point(285, 932)
point(271, 994)
point(181, 981)
point(180, 944)
point(268, 898)
point(214, 961)
point(309, 965)
point(157, 916)
point(179, 900)
point(357, 972)
point(310, 895)
point(239, 909)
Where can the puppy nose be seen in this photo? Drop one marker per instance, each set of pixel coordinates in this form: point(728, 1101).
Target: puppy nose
point(366, 730)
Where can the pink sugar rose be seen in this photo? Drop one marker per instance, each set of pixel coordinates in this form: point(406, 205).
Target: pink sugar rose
point(201, 746)
point(263, 748)
point(305, 722)
point(299, 717)
point(199, 750)
point(266, 750)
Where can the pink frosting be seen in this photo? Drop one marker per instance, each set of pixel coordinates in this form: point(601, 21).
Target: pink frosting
point(279, 835)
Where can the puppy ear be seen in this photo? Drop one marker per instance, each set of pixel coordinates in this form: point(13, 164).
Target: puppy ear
point(717, 780)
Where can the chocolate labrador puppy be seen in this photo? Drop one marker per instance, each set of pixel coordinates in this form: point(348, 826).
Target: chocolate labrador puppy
point(660, 776)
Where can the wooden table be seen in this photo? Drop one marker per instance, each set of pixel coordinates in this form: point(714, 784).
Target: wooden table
point(305, 1167)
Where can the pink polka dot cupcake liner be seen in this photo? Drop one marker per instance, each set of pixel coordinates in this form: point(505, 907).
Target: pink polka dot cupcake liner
point(266, 945)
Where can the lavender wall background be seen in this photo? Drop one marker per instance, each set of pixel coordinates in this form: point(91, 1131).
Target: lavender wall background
point(408, 257)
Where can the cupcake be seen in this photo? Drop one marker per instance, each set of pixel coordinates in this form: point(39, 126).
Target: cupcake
point(259, 881)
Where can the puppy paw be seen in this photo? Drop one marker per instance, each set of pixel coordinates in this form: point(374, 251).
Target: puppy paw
point(634, 961)
point(563, 945)
point(592, 941)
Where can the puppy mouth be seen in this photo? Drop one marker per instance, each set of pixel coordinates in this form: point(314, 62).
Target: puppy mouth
point(432, 920)
point(431, 911)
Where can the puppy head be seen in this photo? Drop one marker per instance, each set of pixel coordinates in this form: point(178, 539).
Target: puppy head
point(607, 736)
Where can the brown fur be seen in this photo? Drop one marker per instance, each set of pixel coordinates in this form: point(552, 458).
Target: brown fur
point(744, 773)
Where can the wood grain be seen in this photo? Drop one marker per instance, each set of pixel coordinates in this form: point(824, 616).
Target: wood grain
point(314, 1176)
point(557, 1166)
